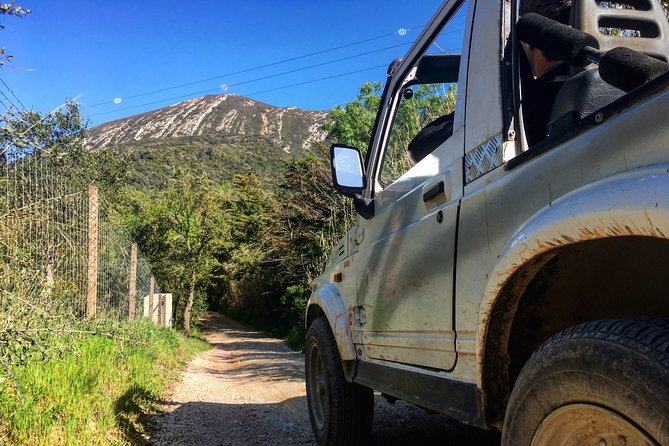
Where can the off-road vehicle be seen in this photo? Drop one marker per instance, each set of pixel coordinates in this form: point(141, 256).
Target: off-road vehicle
point(509, 284)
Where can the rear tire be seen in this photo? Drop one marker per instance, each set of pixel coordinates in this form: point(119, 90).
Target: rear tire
point(604, 382)
point(341, 412)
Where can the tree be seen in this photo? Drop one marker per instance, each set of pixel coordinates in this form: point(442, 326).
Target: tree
point(17, 11)
point(314, 215)
point(180, 232)
point(59, 140)
point(249, 255)
point(58, 135)
point(352, 124)
point(314, 219)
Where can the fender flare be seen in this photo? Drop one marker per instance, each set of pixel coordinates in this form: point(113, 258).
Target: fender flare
point(332, 305)
point(628, 204)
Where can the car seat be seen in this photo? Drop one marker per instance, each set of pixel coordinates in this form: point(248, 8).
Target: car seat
point(637, 24)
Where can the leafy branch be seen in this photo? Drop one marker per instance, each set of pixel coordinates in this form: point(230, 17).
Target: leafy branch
point(13, 10)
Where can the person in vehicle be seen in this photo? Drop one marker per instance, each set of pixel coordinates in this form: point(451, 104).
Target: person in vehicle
point(542, 76)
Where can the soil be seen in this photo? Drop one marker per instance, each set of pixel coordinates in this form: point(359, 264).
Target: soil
point(249, 390)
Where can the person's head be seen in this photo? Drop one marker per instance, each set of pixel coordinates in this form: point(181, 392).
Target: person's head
point(557, 10)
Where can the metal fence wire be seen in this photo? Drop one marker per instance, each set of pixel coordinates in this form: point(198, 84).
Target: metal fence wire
point(59, 248)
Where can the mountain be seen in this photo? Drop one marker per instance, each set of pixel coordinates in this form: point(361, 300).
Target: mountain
point(218, 134)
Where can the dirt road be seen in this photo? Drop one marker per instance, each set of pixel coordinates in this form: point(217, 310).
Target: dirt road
point(249, 390)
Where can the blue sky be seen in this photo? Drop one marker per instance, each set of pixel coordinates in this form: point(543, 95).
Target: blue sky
point(97, 51)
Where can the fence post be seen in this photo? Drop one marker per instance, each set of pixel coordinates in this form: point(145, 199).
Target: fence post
point(133, 282)
point(152, 285)
point(163, 310)
point(160, 309)
point(92, 265)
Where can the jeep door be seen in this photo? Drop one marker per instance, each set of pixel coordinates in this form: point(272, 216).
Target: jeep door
point(405, 290)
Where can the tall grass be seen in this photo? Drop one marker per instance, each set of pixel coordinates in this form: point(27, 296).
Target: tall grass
point(91, 384)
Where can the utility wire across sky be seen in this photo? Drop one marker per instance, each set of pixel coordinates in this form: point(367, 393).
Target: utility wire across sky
point(14, 95)
point(217, 89)
point(400, 32)
point(212, 90)
point(249, 94)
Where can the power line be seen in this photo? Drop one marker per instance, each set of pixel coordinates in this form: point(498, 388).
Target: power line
point(12, 92)
point(211, 90)
point(8, 108)
point(319, 80)
point(259, 92)
point(13, 105)
point(283, 73)
point(316, 65)
point(259, 78)
point(401, 32)
point(279, 62)
point(315, 80)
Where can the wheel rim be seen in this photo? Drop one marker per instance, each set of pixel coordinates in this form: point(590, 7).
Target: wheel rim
point(588, 425)
point(318, 388)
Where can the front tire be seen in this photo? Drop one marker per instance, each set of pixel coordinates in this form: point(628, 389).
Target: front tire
point(341, 412)
point(601, 383)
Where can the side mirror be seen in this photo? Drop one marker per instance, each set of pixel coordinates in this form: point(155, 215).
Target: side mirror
point(348, 174)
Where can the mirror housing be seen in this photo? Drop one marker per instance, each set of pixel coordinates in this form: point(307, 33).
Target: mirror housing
point(348, 171)
point(438, 69)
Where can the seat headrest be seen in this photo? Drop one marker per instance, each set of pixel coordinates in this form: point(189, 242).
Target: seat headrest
point(644, 25)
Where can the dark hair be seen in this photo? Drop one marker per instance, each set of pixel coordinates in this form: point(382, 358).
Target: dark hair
point(553, 9)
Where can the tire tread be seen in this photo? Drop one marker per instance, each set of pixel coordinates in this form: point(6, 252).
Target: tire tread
point(631, 354)
point(353, 406)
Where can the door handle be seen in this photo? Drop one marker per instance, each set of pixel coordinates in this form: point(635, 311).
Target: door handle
point(433, 191)
point(438, 190)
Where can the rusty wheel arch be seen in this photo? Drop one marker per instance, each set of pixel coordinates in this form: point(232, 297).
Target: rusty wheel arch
point(568, 285)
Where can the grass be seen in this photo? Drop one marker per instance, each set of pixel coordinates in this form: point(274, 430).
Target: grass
point(95, 391)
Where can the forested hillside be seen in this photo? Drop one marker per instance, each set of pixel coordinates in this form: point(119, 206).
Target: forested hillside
point(219, 135)
point(231, 200)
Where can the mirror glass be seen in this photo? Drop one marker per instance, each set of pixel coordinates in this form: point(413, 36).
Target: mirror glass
point(348, 167)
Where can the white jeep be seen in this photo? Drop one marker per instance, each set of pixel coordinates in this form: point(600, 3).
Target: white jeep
point(511, 286)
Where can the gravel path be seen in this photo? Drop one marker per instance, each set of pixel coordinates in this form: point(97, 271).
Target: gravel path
point(249, 390)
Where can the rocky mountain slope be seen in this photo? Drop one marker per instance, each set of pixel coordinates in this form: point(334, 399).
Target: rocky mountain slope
point(219, 115)
point(219, 134)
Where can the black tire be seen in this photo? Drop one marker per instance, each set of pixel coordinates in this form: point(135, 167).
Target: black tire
point(597, 381)
point(341, 412)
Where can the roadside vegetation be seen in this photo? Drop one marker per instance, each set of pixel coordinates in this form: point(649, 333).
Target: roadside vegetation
point(245, 246)
point(69, 382)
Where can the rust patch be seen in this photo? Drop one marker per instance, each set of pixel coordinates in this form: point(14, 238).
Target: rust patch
point(614, 229)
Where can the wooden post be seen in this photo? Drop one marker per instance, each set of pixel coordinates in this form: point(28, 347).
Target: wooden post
point(163, 310)
point(152, 284)
point(158, 308)
point(133, 282)
point(92, 265)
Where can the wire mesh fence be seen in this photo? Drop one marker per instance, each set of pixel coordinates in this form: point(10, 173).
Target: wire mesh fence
point(59, 247)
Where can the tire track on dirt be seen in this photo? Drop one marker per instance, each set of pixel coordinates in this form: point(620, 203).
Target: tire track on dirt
point(249, 390)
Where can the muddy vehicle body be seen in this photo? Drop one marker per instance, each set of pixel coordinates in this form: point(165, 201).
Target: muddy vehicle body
point(510, 286)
